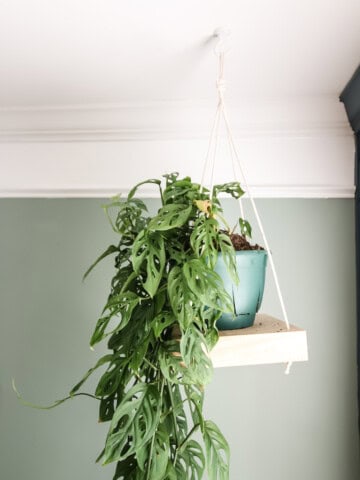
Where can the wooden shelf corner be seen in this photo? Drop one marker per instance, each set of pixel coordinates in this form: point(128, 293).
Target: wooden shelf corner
point(267, 341)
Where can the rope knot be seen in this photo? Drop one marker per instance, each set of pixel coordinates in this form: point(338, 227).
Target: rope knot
point(221, 86)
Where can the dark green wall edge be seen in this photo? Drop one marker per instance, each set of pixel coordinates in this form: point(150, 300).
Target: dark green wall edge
point(350, 96)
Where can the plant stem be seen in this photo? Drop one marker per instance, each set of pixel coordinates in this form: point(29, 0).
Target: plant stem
point(129, 280)
point(174, 416)
point(150, 458)
point(223, 220)
point(150, 364)
point(194, 428)
point(148, 470)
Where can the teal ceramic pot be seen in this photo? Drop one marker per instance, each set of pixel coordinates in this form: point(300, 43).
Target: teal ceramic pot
point(248, 293)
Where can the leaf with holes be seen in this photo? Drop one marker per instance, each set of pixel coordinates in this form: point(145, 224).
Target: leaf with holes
point(194, 353)
point(171, 473)
point(176, 407)
point(110, 380)
point(217, 452)
point(139, 353)
point(161, 322)
point(245, 228)
point(181, 191)
point(181, 298)
point(154, 181)
point(128, 470)
point(190, 461)
point(129, 218)
point(122, 304)
point(204, 239)
point(232, 188)
point(195, 396)
point(107, 408)
point(149, 248)
point(172, 365)
point(99, 332)
point(229, 256)
point(170, 216)
point(136, 418)
point(160, 457)
point(207, 286)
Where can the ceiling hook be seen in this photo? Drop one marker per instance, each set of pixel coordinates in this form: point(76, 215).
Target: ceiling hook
point(223, 36)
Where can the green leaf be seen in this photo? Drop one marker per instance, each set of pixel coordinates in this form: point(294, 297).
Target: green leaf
point(160, 456)
point(245, 228)
point(129, 219)
point(170, 216)
point(122, 304)
point(232, 188)
point(127, 470)
point(149, 248)
point(174, 368)
point(139, 353)
point(176, 247)
point(229, 256)
point(195, 395)
point(194, 353)
point(204, 239)
point(151, 180)
point(182, 299)
point(217, 452)
point(136, 418)
point(171, 473)
point(190, 461)
point(211, 338)
point(181, 191)
point(102, 361)
point(110, 380)
point(171, 177)
point(108, 251)
point(207, 286)
point(128, 340)
point(171, 363)
point(176, 407)
point(99, 332)
point(106, 408)
point(161, 322)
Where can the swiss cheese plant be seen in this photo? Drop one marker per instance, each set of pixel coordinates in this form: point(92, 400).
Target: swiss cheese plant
point(159, 323)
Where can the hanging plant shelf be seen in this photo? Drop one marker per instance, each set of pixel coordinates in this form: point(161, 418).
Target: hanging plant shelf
point(267, 341)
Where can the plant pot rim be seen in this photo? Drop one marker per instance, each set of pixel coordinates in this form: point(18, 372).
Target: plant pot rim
point(248, 252)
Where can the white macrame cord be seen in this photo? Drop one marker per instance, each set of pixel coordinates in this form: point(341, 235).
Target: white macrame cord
point(209, 166)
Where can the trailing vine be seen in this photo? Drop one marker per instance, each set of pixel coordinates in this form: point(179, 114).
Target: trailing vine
point(159, 323)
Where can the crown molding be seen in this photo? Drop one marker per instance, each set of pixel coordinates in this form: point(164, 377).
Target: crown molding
point(291, 148)
point(173, 120)
point(258, 191)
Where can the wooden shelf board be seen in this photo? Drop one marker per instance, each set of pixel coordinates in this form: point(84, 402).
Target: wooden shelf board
point(267, 341)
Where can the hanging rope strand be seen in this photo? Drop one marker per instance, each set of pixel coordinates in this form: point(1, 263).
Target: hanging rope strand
point(216, 144)
point(235, 159)
point(212, 137)
point(257, 216)
point(233, 164)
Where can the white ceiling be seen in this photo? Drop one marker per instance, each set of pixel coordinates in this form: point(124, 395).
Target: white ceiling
point(81, 52)
point(96, 95)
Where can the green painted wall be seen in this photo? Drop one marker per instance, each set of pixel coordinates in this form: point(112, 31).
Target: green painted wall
point(296, 427)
